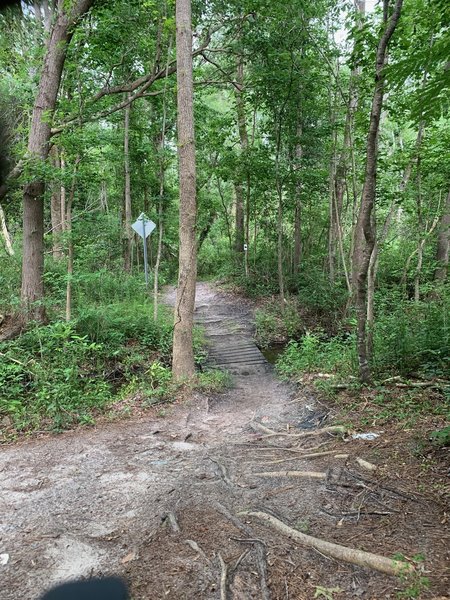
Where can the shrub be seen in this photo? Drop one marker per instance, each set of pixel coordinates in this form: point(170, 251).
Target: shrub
point(315, 353)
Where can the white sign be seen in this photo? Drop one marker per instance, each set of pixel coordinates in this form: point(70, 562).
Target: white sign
point(143, 226)
point(245, 248)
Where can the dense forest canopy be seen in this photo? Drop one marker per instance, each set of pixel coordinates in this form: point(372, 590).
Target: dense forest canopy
point(322, 141)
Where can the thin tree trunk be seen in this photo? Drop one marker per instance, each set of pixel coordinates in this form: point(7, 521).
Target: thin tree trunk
point(280, 246)
point(225, 214)
point(32, 292)
point(183, 351)
point(365, 230)
point(62, 196)
point(443, 243)
point(68, 222)
point(421, 242)
point(242, 230)
point(298, 205)
point(5, 233)
point(161, 194)
point(128, 231)
point(239, 220)
point(55, 209)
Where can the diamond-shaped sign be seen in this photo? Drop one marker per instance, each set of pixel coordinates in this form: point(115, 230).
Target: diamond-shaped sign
point(143, 226)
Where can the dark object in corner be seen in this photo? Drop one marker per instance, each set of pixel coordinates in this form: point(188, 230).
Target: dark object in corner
point(109, 588)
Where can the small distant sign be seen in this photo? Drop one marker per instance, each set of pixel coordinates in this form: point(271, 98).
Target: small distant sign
point(245, 248)
point(143, 226)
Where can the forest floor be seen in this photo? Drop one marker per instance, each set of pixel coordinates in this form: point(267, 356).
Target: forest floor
point(156, 498)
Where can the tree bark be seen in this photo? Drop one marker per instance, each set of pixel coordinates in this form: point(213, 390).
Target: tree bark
point(365, 226)
point(443, 243)
point(68, 228)
point(5, 233)
point(32, 293)
point(161, 193)
point(239, 219)
point(298, 205)
point(128, 231)
point(55, 209)
point(242, 224)
point(183, 352)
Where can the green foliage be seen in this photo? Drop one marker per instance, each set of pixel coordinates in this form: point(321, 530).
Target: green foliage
point(276, 324)
point(412, 338)
point(213, 380)
point(65, 373)
point(441, 437)
point(315, 352)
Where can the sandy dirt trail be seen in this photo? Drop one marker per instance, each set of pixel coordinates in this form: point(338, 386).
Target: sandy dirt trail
point(95, 501)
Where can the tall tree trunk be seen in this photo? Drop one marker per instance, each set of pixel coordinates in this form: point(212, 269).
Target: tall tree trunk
point(443, 243)
point(161, 193)
point(128, 231)
point(298, 205)
point(365, 227)
point(239, 219)
point(242, 225)
point(5, 233)
point(68, 228)
point(280, 246)
point(345, 159)
point(225, 214)
point(183, 351)
point(55, 209)
point(32, 293)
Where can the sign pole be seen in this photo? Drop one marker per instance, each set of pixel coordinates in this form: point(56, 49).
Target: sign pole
point(145, 254)
point(144, 227)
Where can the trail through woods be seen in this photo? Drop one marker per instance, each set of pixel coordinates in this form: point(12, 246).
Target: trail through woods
point(159, 499)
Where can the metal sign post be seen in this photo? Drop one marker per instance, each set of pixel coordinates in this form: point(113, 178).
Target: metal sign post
point(144, 228)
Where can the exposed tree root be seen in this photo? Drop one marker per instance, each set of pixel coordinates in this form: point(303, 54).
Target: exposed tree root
point(193, 544)
point(350, 555)
point(260, 548)
point(302, 474)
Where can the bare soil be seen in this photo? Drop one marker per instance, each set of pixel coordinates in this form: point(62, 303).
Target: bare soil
point(156, 499)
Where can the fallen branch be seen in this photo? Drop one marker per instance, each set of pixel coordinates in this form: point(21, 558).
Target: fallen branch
point(376, 484)
point(331, 429)
point(305, 474)
point(336, 551)
point(312, 455)
point(223, 578)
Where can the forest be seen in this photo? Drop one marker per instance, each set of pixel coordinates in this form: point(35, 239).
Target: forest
point(292, 156)
point(322, 183)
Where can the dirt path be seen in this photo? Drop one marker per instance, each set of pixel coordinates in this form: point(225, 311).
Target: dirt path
point(94, 501)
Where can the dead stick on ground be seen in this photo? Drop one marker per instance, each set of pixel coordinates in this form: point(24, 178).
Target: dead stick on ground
point(350, 555)
point(300, 456)
point(331, 429)
point(223, 578)
point(305, 474)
